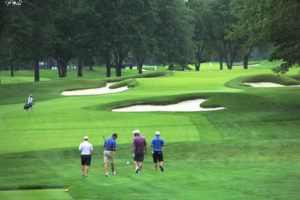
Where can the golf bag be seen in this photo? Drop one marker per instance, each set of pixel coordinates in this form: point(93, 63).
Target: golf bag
point(28, 105)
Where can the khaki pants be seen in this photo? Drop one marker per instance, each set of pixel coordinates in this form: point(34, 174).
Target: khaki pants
point(108, 155)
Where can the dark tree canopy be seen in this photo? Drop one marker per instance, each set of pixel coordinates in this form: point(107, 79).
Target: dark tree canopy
point(173, 32)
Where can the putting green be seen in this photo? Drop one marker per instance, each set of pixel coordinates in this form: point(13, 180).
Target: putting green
point(40, 194)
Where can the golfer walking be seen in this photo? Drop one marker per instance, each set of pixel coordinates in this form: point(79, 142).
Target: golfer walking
point(110, 149)
point(30, 103)
point(157, 143)
point(86, 150)
point(139, 147)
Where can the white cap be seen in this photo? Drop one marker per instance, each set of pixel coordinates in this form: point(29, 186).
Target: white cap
point(136, 131)
point(85, 137)
point(157, 133)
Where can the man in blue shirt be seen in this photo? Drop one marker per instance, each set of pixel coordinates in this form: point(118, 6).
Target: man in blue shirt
point(110, 149)
point(157, 143)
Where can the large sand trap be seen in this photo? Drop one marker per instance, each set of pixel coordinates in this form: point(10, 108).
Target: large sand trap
point(95, 91)
point(184, 106)
point(268, 84)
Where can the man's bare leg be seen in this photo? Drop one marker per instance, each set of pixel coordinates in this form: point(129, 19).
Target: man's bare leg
point(161, 165)
point(155, 166)
point(136, 166)
point(112, 167)
point(82, 168)
point(140, 166)
point(105, 167)
point(86, 170)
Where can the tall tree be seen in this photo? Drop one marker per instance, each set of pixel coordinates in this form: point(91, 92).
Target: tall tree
point(201, 22)
point(104, 31)
point(63, 48)
point(275, 22)
point(39, 35)
point(124, 24)
point(174, 33)
point(2, 19)
point(223, 20)
point(84, 47)
point(242, 30)
point(143, 39)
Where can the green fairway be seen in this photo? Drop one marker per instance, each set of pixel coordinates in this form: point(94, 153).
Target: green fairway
point(42, 194)
point(7, 80)
point(250, 150)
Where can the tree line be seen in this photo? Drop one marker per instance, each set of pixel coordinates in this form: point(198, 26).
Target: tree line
point(171, 32)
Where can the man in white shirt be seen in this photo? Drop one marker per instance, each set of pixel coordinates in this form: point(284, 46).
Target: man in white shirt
point(29, 104)
point(86, 150)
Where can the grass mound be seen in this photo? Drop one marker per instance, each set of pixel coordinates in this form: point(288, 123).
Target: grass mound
point(212, 102)
point(280, 79)
point(128, 82)
point(145, 75)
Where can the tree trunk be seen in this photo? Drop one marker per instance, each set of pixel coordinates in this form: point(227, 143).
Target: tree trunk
point(245, 61)
point(118, 63)
point(229, 65)
point(108, 62)
point(140, 68)
point(221, 63)
point(91, 67)
point(59, 70)
point(197, 66)
point(229, 62)
point(108, 66)
point(49, 63)
point(11, 69)
point(246, 57)
point(79, 68)
point(36, 69)
point(64, 70)
point(118, 70)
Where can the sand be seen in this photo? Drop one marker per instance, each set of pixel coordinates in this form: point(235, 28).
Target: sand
point(268, 84)
point(95, 91)
point(249, 65)
point(184, 106)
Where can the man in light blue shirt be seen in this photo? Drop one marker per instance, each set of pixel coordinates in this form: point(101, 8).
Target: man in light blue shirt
point(110, 149)
point(157, 143)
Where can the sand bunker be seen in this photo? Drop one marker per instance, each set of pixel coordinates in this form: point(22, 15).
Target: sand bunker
point(95, 91)
point(268, 84)
point(184, 106)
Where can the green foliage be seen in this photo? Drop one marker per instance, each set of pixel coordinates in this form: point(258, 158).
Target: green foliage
point(143, 40)
point(274, 22)
point(174, 33)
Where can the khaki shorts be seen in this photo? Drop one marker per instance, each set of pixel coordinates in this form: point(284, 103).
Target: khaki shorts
point(108, 155)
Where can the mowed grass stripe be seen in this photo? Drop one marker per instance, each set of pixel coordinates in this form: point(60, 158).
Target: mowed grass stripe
point(41, 194)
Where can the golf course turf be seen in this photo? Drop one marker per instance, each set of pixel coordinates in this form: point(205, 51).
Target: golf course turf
point(250, 150)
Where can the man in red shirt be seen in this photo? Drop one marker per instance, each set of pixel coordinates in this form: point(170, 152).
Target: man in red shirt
point(139, 147)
